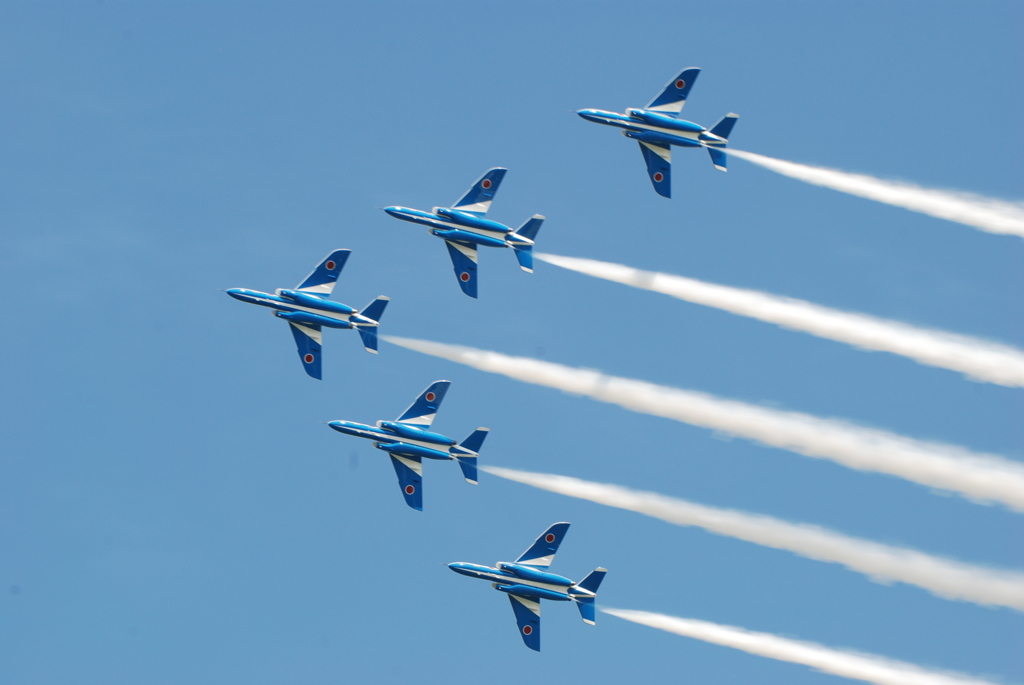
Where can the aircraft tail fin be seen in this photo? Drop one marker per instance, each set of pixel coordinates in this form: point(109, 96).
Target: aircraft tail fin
point(722, 129)
point(368, 331)
point(476, 439)
point(593, 581)
point(524, 251)
point(375, 309)
point(467, 462)
point(530, 228)
point(587, 603)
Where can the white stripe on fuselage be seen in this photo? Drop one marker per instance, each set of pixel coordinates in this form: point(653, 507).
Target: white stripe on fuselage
point(388, 438)
point(690, 135)
point(515, 580)
point(277, 304)
point(472, 229)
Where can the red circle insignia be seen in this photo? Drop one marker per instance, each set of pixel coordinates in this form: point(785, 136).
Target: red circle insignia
point(464, 276)
point(308, 359)
point(680, 84)
point(409, 489)
point(659, 177)
point(430, 397)
point(330, 265)
point(486, 184)
point(527, 630)
point(549, 537)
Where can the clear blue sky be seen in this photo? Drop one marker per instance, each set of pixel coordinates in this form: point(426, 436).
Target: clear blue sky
point(171, 508)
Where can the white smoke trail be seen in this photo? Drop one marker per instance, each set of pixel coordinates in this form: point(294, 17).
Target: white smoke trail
point(974, 475)
point(840, 662)
point(943, 577)
point(979, 359)
point(993, 216)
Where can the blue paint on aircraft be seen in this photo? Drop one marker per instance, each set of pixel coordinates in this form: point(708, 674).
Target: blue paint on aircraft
point(308, 310)
point(527, 581)
point(464, 229)
point(657, 128)
point(409, 441)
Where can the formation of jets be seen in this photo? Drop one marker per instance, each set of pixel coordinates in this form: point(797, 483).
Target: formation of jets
point(408, 439)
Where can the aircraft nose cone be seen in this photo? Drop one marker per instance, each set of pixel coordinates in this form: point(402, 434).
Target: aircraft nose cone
point(336, 425)
point(459, 567)
point(394, 211)
point(236, 293)
point(587, 114)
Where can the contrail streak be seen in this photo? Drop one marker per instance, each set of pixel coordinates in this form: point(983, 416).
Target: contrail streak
point(840, 662)
point(993, 216)
point(943, 577)
point(949, 467)
point(979, 359)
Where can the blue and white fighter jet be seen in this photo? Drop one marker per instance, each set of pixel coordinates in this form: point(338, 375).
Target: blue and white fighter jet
point(464, 228)
point(408, 441)
point(657, 127)
point(307, 309)
point(526, 582)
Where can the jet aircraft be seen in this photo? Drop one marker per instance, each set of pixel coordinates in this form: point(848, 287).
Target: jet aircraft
point(307, 309)
point(464, 228)
point(657, 127)
point(526, 582)
point(408, 440)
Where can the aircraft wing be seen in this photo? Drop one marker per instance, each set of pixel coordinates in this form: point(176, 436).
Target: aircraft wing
point(528, 619)
point(659, 167)
point(410, 479)
point(673, 96)
point(478, 198)
point(322, 279)
point(464, 260)
point(307, 340)
point(424, 408)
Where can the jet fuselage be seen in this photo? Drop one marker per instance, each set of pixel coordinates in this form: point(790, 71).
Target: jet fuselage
point(452, 224)
point(302, 308)
point(524, 581)
point(654, 127)
point(402, 440)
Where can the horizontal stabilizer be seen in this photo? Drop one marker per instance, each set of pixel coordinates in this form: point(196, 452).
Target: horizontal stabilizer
point(369, 336)
point(468, 465)
point(525, 257)
point(410, 479)
point(321, 281)
point(587, 609)
point(718, 158)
